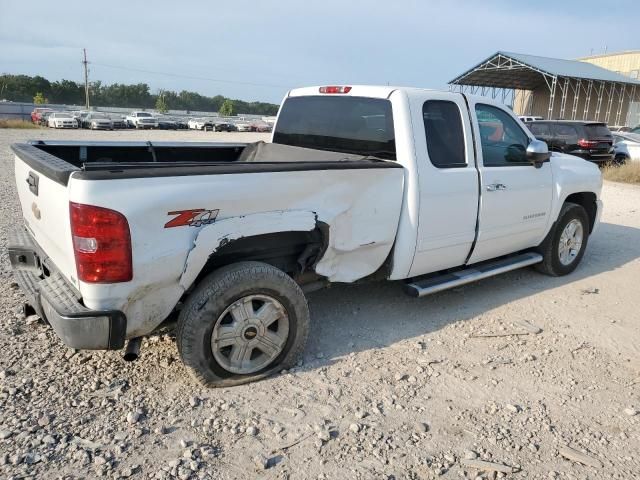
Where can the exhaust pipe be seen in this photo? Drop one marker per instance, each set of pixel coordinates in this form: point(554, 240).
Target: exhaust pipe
point(132, 350)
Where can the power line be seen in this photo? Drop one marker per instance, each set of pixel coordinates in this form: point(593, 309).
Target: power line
point(192, 77)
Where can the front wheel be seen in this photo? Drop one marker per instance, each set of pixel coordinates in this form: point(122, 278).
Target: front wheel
point(242, 323)
point(564, 247)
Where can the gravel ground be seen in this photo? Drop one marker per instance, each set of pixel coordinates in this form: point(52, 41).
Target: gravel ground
point(389, 388)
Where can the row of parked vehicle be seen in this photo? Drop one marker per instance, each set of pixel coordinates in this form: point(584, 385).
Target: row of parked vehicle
point(212, 125)
point(593, 141)
point(48, 117)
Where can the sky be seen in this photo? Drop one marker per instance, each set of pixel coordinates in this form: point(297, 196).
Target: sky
point(258, 49)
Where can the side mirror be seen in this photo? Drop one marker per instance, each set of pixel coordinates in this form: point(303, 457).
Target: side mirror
point(538, 153)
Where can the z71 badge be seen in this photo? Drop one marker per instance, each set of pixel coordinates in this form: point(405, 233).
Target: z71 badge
point(192, 218)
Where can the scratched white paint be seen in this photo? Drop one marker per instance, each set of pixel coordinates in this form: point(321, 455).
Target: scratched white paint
point(212, 236)
point(361, 208)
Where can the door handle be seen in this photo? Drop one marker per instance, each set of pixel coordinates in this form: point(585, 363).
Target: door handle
point(494, 187)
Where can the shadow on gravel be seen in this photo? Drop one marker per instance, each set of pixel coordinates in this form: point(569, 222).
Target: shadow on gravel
point(350, 318)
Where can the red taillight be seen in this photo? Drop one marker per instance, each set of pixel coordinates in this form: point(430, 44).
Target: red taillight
point(335, 89)
point(587, 143)
point(101, 243)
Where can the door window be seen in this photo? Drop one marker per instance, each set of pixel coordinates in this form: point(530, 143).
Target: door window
point(445, 137)
point(503, 142)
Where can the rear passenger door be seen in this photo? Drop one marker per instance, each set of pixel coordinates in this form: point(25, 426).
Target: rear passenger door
point(448, 181)
point(515, 195)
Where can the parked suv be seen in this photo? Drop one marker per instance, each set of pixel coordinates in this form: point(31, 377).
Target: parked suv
point(590, 140)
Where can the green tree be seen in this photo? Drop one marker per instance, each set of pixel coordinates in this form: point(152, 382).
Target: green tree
point(24, 88)
point(39, 99)
point(161, 103)
point(226, 109)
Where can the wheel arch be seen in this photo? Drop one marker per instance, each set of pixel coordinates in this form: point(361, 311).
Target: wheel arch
point(289, 240)
point(588, 201)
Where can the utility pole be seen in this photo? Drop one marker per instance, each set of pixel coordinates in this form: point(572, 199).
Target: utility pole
point(86, 79)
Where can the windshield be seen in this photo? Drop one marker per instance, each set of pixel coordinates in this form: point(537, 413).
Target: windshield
point(143, 114)
point(339, 124)
point(101, 116)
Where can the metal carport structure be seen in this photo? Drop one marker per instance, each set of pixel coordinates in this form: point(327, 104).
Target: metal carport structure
point(551, 87)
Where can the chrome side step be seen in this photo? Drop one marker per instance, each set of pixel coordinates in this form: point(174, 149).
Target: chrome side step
point(429, 285)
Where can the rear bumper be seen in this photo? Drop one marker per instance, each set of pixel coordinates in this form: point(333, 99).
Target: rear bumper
point(56, 301)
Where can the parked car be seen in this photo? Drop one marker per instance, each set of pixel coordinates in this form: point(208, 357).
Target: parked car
point(589, 140)
point(79, 115)
point(627, 147)
point(528, 118)
point(243, 127)
point(418, 198)
point(262, 127)
point(224, 127)
point(36, 114)
point(141, 120)
point(119, 122)
point(97, 121)
point(618, 128)
point(181, 123)
point(167, 123)
point(206, 124)
point(265, 128)
point(43, 118)
point(61, 120)
point(197, 123)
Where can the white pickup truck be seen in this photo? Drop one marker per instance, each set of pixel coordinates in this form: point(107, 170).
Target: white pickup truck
point(141, 120)
point(433, 189)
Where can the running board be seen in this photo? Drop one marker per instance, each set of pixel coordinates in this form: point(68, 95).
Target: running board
point(427, 286)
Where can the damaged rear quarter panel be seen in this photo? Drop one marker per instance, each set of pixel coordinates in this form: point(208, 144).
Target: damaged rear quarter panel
point(361, 208)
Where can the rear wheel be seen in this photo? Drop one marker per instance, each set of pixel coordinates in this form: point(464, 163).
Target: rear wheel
point(564, 247)
point(242, 323)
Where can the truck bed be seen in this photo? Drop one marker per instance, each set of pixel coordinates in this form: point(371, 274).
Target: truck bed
point(109, 160)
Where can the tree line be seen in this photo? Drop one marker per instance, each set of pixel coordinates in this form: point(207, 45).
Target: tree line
point(24, 88)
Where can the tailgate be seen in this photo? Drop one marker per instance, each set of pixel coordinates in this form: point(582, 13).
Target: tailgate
point(45, 208)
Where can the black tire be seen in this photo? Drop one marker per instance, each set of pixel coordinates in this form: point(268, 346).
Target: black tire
point(218, 291)
point(549, 249)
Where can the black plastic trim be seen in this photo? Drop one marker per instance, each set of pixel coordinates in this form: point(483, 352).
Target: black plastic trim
point(59, 170)
point(152, 170)
point(48, 165)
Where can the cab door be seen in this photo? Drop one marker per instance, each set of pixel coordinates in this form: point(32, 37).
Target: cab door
point(515, 199)
point(447, 178)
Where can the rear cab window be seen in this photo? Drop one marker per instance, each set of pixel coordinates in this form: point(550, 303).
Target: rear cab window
point(346, 124)
point(444, 132)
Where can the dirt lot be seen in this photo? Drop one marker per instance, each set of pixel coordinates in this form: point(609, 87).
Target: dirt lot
point(390, 387)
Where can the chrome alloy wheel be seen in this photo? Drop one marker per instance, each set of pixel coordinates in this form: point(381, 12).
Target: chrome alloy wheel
point(250, 334)
point(570, 242)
